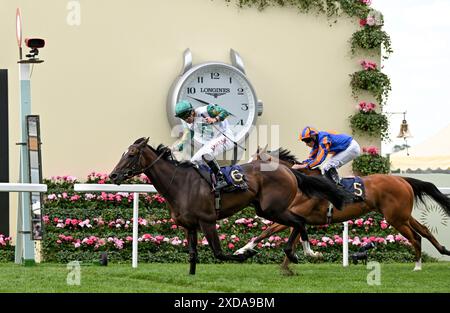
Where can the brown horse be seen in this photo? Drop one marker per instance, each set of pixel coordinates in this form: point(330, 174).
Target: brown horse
point(392, 196)
point(192, 204)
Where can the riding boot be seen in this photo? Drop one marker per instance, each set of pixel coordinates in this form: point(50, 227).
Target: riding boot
point(214, 166)
point(334, 176)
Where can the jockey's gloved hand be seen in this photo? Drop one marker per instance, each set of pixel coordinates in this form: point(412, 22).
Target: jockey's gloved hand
point(176, 147)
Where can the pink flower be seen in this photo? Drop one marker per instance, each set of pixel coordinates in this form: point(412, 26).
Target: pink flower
point(222, 236)
point(368, 65)
point(384, 224)
point(174, 226)
point(362, 22)
point(371, 21)
point(231, 246)
point(372, 150)
point(366, 2)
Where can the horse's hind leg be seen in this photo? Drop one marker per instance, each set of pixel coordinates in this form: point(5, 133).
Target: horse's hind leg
point(415, 240)
point(425, 232)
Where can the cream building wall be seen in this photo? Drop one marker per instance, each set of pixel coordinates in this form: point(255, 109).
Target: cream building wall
point(104, 82)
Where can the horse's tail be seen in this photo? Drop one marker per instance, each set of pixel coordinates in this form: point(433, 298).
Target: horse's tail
point(317, 186)
point(421, 188)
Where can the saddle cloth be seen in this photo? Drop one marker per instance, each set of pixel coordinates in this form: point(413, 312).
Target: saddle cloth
point(355, 185)
point(234, 176)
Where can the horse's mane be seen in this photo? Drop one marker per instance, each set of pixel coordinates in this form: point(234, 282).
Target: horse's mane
point(166, 154)
point(284, 155)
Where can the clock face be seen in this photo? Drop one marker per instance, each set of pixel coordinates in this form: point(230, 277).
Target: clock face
point(225, 86)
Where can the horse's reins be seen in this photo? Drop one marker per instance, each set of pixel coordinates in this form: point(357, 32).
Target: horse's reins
point(133, 169)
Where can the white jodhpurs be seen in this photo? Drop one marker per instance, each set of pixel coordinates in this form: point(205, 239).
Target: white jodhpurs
point(343, 157)
point(215, 147)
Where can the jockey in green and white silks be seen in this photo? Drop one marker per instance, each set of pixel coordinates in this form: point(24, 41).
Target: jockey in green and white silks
point(210, 123)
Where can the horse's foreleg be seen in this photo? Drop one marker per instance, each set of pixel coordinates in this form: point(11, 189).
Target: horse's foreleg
point(193, 255)
point(272, 229)
point(209, 229)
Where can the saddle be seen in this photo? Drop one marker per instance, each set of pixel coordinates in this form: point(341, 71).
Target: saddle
point(355, 186)
point(234, 177)
point(233, 174)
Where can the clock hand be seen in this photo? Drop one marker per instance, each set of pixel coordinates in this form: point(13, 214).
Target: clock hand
point(205, 102)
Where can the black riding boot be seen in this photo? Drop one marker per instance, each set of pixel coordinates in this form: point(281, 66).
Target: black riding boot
point(334, 176)
point(214, 166)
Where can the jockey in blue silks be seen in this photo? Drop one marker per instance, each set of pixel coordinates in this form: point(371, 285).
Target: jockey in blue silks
point(342, 148)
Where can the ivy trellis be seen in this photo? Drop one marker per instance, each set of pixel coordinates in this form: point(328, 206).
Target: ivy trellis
point(370, 37)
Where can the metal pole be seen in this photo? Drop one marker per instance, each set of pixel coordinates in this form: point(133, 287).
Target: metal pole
point(345, 245)
point(135, 229)
point(24, 253)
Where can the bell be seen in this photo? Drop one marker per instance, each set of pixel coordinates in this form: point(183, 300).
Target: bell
point(404, 130)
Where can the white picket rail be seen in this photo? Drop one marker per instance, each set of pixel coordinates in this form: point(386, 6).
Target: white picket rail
point(23, 239)
point(13, 187)
point(136, 189)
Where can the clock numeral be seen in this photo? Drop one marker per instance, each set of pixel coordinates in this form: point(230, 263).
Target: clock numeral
point(191, 90)
point(200, 80)
point(215, 75)
point(240, 91)
point(244, 107)
point(231, 80)
point(240, 122)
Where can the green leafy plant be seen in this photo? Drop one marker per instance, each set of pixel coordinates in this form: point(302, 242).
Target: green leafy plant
point(372, 80)
point(330, 7)
point(370, 162)
point(371, 38)
point(368, 122)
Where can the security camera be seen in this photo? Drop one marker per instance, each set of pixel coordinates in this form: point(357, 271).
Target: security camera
point(34, 43)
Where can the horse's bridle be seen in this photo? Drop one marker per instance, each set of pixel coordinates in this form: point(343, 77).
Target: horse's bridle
point(133, 169)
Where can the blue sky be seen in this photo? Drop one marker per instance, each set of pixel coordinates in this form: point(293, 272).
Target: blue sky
point(419, 68)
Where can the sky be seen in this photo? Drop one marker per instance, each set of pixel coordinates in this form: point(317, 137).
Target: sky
point(419, 68)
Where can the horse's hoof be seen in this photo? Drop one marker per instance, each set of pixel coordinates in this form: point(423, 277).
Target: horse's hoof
point(293, 258)
point(250, 253)
point(288, 272)
point(416, 269)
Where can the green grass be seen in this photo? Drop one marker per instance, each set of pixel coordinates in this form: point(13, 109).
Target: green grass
point(229, 278)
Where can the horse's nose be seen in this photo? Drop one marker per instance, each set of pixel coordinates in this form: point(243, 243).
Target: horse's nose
point(129, 173)
point(113, 176)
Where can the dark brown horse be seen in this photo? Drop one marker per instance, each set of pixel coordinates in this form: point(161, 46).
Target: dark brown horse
point(392, 196)
point(191, 201)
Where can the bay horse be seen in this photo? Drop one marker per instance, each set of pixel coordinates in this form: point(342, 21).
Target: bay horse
point(392, 196)
point(192, 203)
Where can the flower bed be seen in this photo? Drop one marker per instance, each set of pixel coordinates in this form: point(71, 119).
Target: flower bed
point(6, 249)
point(78, 226)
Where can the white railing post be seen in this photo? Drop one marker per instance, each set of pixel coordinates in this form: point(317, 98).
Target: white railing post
point(135, 229)
point(24, 251)
point(135, 188)
point(345, 245)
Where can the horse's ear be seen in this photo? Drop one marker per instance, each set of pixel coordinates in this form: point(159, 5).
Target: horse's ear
point(144, 142)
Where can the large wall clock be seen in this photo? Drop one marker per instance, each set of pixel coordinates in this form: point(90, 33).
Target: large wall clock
point(217, 83)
